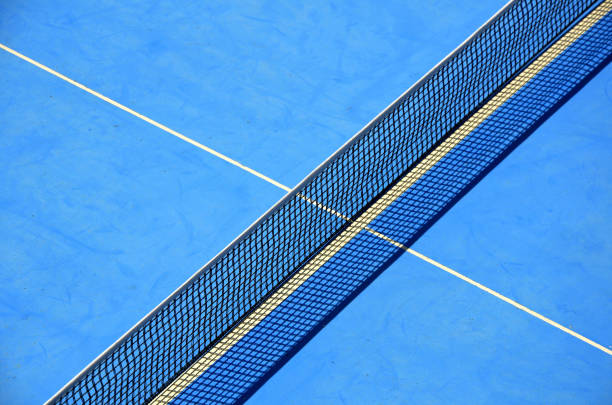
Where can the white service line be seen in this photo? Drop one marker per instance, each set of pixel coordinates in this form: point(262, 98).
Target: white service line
point(492, 292)
point(145, 118)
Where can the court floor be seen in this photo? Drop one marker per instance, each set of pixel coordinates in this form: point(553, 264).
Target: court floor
point(104, 214)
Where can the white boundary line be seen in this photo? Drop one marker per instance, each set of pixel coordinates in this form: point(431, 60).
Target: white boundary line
point(497, 295)
point(145, 118)
point(508, 300)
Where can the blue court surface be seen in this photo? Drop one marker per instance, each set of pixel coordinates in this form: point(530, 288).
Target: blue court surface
point(103, 215)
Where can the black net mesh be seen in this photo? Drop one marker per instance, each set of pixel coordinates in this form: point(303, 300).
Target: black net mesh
point(224, 293)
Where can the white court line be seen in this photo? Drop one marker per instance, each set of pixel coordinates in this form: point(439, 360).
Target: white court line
point(493, 293)
point(145, 118)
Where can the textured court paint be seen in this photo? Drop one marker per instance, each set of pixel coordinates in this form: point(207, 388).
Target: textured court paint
point(143, 117)
point(100, 218)
point(67, 26)
point(380, 205)
point(276, 87)
point(497, 295)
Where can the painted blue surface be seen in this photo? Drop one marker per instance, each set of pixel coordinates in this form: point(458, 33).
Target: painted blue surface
point(103, 215)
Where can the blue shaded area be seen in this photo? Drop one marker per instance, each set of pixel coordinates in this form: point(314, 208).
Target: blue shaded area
point(257, 354)
point(585, 206)
point(419, 335)
point(102, 216)
point(537, 228)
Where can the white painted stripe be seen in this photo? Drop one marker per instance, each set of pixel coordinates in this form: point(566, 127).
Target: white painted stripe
point(494, 293)
point(146, 119)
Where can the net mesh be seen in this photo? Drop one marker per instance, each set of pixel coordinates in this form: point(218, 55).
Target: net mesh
point(233, 286)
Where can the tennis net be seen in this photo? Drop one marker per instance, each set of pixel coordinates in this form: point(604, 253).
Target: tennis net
point(311, 224)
